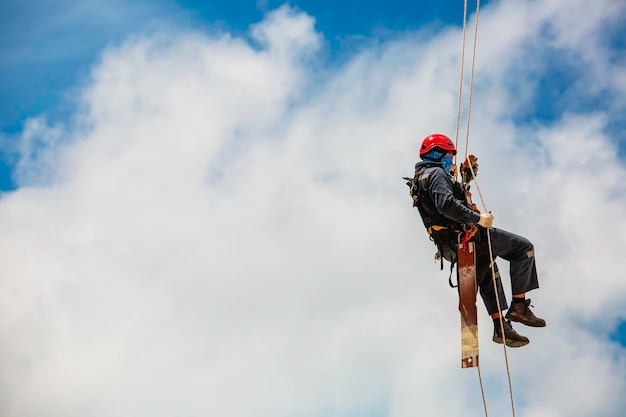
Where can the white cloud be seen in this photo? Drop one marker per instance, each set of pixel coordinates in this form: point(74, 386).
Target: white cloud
point(220, 236)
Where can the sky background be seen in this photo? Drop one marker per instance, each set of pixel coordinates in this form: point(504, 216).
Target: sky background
point(203, 212)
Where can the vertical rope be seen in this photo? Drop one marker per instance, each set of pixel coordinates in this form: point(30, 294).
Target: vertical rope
point(482, 390)
point(471, 88)
point(491, 259)
point(506, 355)
point(458, 113)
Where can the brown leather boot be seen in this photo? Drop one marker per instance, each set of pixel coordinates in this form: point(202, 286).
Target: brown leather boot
point(520, 312)
point(513, 339)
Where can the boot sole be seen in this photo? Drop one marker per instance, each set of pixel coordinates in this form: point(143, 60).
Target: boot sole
point(524, 322)
point(511, 343)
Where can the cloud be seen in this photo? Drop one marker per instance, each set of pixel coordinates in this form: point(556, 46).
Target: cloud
point(224, 231)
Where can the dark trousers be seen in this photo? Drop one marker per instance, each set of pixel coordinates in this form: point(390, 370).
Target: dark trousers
point(516, 249)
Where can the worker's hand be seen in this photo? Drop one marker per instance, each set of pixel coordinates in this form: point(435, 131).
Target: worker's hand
point(486, 220)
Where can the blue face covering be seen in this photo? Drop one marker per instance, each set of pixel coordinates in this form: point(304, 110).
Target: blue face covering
point(433, 156)
point(447, 163)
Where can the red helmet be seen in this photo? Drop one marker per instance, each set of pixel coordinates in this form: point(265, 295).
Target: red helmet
point(437, 141)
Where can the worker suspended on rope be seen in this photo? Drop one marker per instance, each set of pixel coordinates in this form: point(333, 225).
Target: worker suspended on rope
point(449, 217)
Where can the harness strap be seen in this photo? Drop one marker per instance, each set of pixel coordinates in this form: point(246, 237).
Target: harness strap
point(450, 277)
point(435, 228)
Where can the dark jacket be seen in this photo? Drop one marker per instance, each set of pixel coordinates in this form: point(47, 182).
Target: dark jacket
point(442, 201)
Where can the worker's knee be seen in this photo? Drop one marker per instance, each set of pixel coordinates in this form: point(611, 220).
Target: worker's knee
point(525, 246)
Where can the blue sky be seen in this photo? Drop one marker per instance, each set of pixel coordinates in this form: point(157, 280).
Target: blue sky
point(217, 206)
point(50, 45)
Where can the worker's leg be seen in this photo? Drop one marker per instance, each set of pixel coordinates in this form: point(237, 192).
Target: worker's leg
point(485, 284)
point(488, 294)
point(520, 252)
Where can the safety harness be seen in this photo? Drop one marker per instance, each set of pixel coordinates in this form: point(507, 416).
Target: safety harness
point(445, 233)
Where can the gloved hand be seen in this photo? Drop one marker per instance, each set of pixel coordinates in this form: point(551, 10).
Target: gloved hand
point(466, 170)
point(486, 220)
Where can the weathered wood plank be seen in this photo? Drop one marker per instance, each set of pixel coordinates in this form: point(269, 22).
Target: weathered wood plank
point(467, 305)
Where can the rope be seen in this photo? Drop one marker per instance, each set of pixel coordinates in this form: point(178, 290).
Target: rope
point(458, 114)
point(456, 139)
point(493, 279)
point(482, 390)
point(491, 259)
point(506, 356)
point(469, 105)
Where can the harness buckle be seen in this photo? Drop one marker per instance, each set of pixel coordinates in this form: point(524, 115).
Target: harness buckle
point(466, 235)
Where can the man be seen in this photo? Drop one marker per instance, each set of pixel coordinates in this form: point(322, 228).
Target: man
point(445, 210)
